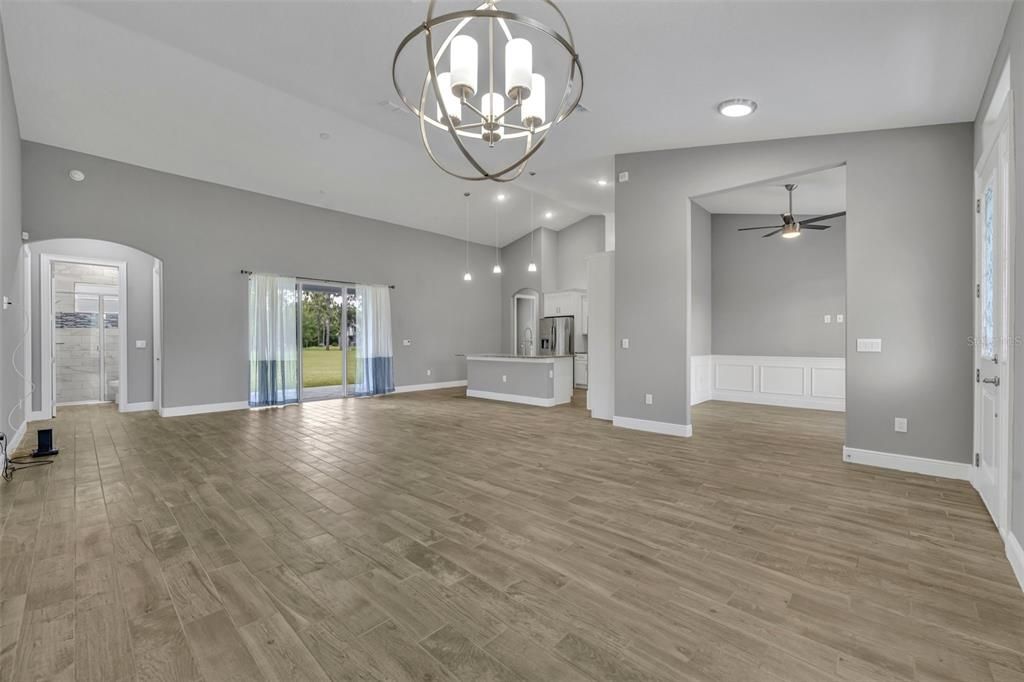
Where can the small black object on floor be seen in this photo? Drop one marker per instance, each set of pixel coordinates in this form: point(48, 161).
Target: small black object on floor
point(44, 446)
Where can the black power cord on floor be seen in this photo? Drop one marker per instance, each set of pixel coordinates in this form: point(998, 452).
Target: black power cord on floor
point(13, 464)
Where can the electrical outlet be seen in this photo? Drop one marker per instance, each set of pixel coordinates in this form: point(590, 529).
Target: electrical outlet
point(429, 372)
point(551, 374)
point(900, 424)
point(624, 176)
point(504, 378)
point(140, 343)
point(406, 342)
point(7, 302)
point(839, 318)
point(648, 399)
point(625, 343)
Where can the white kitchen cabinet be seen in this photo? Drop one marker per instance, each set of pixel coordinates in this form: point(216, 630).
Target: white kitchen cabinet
point(580, 370)
point(585, 314)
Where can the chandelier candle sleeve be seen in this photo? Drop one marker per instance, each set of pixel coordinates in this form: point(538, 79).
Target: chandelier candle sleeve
point(518, 68)
point(534, 105)
point(452, 103)
point(464, 65)
point(492, 107)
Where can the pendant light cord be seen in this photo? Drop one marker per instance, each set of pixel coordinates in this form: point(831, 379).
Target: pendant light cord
point(467, 231)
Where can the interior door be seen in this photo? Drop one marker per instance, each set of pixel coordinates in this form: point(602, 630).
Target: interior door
point(158, 373)
point(991, 340)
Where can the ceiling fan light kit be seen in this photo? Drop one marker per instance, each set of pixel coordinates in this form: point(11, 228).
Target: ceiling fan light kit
point(489, 118)
point(791, 227)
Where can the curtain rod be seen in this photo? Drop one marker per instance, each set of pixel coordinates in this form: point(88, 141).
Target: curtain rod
point(328, 281)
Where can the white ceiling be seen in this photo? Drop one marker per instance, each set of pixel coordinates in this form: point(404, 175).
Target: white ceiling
point(816, 194)
point(239, 92)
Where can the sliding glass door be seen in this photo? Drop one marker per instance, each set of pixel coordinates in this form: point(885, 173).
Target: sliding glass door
point(329, 315)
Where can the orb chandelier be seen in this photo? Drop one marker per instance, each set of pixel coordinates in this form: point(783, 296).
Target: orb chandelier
point(479, 118)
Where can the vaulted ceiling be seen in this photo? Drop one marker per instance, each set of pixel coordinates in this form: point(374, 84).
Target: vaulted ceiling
point(240, 93)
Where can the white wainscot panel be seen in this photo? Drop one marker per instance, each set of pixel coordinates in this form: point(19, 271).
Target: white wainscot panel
point(782, 380)
point(808, 382)
point(734, 377)
point(828, 382)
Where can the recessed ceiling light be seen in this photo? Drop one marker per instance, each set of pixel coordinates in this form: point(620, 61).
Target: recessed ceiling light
point(737, 108)
point(325, 136)
point(76, 175)
point(602, 182)
point(549, 214)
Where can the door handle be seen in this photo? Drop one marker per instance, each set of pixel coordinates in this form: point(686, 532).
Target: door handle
point(991, 380)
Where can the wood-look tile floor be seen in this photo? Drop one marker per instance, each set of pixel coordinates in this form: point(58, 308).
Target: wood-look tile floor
point(430, 537)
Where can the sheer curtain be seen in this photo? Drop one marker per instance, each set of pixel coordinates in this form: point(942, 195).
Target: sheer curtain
point(374, 355)
point(273, 340)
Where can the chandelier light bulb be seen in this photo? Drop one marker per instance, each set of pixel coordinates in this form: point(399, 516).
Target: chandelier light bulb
point(497, 269)
point(451, 102)
point(468, 277)
point(532, 267)
point(518, 68)
point(463, 52)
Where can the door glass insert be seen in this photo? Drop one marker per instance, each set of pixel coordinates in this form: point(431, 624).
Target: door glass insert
point(988, 273)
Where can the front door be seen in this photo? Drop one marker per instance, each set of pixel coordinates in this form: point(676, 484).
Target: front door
point(992, 332)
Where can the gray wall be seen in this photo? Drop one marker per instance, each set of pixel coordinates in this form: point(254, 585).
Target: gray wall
point(206, 233)
point(700, 281)
point(139, 269)
point(1012, 47)
point(575, 243)
point(909, 199)
point(770, 296)
point(515, 257)
point(11, 279)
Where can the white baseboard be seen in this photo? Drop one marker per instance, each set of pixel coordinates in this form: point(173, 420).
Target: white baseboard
point(15, 439)
point(139, 407)
point(186, 410)
point(917, 465)
point(1015, 554)
point(430, 387)
point(804, 403)
point(513, 398)
point(665, 428)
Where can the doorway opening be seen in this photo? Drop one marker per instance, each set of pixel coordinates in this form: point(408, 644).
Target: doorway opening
point(329, 321)
point(525, 312)
point(767, 328)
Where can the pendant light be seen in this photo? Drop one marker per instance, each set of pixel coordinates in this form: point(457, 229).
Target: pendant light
point(532, 267)
point(468, 277)
point(497, 252)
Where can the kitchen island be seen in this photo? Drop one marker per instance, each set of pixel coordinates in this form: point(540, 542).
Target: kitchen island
point(541, 380)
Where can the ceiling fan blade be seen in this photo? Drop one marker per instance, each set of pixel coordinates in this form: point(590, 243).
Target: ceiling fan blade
point(814, 227)
point(825, 217)
point(768, 227)
point(771, 234)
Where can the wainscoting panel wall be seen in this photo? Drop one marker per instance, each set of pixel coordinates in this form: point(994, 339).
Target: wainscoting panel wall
point(808, 382)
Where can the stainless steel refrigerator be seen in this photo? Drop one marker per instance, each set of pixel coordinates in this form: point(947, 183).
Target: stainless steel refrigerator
point(555, 335)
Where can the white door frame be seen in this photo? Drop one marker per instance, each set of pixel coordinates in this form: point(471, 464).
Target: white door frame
point(158, 330)
point(48, 404)
point(1001, 141)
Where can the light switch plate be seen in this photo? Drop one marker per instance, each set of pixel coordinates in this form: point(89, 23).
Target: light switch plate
point(551, 374)
point(869, 345)
point(624, 176)
point(140, 343)
point(649, 399)
point(429, 371)
point(828, 319)
point(504, 378)
point(406, 342)
point(900, 424)
point(625, 343)
point(7, 302)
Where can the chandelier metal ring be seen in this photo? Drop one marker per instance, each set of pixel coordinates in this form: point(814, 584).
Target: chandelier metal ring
point(534, 134)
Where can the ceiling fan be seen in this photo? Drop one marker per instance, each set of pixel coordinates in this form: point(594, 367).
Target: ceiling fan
point(790, 228)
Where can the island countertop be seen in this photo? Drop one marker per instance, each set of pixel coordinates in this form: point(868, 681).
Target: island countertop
point(507, 357)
